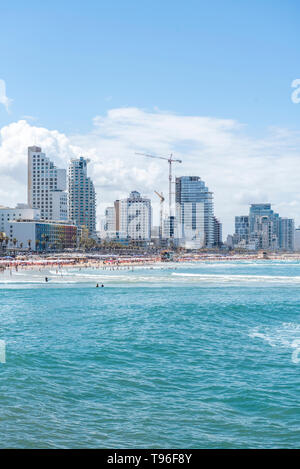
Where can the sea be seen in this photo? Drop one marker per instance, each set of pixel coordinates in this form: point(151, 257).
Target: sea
point(189, 355)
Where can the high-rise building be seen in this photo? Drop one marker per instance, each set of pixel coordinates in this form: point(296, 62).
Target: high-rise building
point(242, 228)
point(217, 232)
point(194, 213)
point(264, 226)
point(264, 229)
point(46, 186)
point(134, 217)
point(287, 234)
point(81, 195)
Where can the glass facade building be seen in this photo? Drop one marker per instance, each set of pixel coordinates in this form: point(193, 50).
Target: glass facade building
point(287, 234)
point(265, 229)
point(264, 226)
point(43, 235)
point(194, 212)
point(242, 227)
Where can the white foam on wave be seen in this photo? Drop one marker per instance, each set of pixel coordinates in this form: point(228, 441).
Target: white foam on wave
point(251, 278)
point(162, 274)
point(286, 335)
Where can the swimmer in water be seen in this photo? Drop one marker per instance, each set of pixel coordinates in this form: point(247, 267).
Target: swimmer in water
point(97, 286)
point(102, 285)
point(46, 279)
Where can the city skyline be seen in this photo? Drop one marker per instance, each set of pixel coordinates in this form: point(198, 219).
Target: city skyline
point(55, 202)
point(58, 195)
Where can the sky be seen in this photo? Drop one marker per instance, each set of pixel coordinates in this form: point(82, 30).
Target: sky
point(216, 83)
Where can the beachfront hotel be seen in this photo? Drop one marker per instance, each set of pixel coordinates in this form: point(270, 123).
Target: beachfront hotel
point(46, 188)
point(81, 195)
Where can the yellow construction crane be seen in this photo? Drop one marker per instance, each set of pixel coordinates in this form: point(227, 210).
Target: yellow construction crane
point(162, 199)
point(170, 160)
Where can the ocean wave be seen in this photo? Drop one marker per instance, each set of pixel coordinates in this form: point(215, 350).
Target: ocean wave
point(247, 278)
point(287, 336)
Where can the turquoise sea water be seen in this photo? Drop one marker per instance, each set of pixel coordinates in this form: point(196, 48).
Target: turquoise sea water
point(179, 356)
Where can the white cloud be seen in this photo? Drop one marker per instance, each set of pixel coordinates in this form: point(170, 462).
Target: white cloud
point(3, 98)
point(296, 94)
point(236, 167)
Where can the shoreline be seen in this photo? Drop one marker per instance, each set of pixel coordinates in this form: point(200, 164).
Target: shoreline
point(106, 262)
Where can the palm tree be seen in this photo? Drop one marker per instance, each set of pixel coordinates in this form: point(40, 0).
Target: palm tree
point(37, 244)
point(29, 244)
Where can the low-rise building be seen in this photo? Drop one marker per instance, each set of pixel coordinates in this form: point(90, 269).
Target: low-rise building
point(21, 211)
point(39, 235)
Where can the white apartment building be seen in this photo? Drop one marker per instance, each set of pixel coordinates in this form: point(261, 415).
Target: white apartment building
point(46, 186)
point(110, 220)
point(135, 217)
point(20, 212)
point(81, 195)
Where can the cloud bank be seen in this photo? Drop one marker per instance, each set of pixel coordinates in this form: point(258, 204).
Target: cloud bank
point(238, 168)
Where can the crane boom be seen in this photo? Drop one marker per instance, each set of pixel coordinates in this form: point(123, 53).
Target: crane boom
point(160, 157)
point(170, 160)
point(160, 196)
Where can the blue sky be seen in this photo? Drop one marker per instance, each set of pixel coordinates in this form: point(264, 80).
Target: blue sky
point(209, 81)
point(66, 61)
